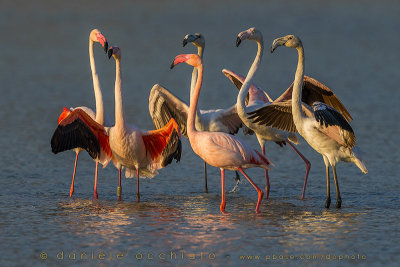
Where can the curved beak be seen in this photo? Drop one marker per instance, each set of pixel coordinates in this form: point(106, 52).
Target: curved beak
point(278, 42)
point(172, 65)
point(105, 47)
point(110, 53)
point(189, 38)
point(238, 41)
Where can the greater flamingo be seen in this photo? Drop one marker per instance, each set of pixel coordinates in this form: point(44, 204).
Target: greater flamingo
point(61, 140)
point(219, 149)
point(259, 99)
point(163, 106)
point(322, 126)
point(140, 152)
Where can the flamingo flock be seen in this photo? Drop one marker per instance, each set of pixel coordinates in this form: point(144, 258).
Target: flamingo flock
point(307, 107)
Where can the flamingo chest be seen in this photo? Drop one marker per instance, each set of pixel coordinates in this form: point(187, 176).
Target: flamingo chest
point(128, 149)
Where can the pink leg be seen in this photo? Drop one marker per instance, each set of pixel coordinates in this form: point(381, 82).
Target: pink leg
point(137, 188)
point(222, 207)
point(96, 196)
point(267, 185)
point(308, 166)
point(259, 191)
point(119, 190)
point(71, 190)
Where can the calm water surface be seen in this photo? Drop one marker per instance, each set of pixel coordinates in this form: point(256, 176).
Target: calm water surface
point(351, 47)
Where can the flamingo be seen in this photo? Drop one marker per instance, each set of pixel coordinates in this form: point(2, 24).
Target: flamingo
point(324, 128)
point(259, 99)
point(62, 141)
point(219, 149)
point(163, 106)
point(140, 152)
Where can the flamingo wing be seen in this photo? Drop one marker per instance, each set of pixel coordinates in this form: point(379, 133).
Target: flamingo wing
point(333, 124)
point(164, 144)
point(163, 106)
point(238, 80)
point(278, 115)
point(315, 91)
point(79, 130)
point(226, 117)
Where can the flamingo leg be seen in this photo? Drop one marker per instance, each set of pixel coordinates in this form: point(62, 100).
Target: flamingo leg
point(338, 198)
point(308, 166)
point(259, 191)
point(222, 207)
point(96, 196)
point(137, 186)
point(328, 191)
point(205, 178)
point(267, 185)
point(119, 189)
point(71, 190)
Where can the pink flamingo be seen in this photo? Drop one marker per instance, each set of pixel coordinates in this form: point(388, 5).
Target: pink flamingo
point(314, 91)
point(219, 149)
point(61, 140)
point(163, 106)
point(140, 152)
point(324, 128)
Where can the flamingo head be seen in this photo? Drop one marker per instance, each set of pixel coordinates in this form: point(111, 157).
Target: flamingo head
point(190, 59)
point(96, 36)
point(114, 51)
point(64, 114)
point(197, 39)
point(251, 34)
point(288, 41)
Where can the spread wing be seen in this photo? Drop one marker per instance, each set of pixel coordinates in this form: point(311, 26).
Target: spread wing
point(163, 106)
point(334, 125)
point(278, 115)
point(164, 144)
point(227, 119)
point(79, 130)
point(314, 91)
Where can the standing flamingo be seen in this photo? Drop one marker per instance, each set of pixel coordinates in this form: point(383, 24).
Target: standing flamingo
point(61, 140)
point(140, 152)
point(322, 126)
point(163, 106)
point(259, 99)
point(219, 149)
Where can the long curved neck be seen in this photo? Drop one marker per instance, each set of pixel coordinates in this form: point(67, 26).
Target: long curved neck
point(96, 86)
point(200, 51)
point(193, 102)
point(241, 106)
point(297, 88)
point(119, 108)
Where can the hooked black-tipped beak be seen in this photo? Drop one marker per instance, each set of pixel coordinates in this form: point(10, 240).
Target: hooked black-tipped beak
point(110, 53)
point(238, 41)
point(278, 42)
point(185, 41)
point(172, 65)
point(105, 47)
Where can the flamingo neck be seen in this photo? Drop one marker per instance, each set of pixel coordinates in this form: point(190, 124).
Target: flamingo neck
point(241, 99)
point(200, 51)
point(297, 88)
point(96, 86)
point(191, 129)
point(119, 108)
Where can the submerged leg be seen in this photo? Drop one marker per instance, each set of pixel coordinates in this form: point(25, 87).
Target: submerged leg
point(71, 190)
point(137, 187)
point(308, 166)
point(338, 198)
point(328, 191)
point(267, 185)
point(259, 191)
point(222, 207)
point(119, 189)
point(205, 178)
point(96, 196)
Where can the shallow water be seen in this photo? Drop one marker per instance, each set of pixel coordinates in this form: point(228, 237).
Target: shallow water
point(352, 48)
